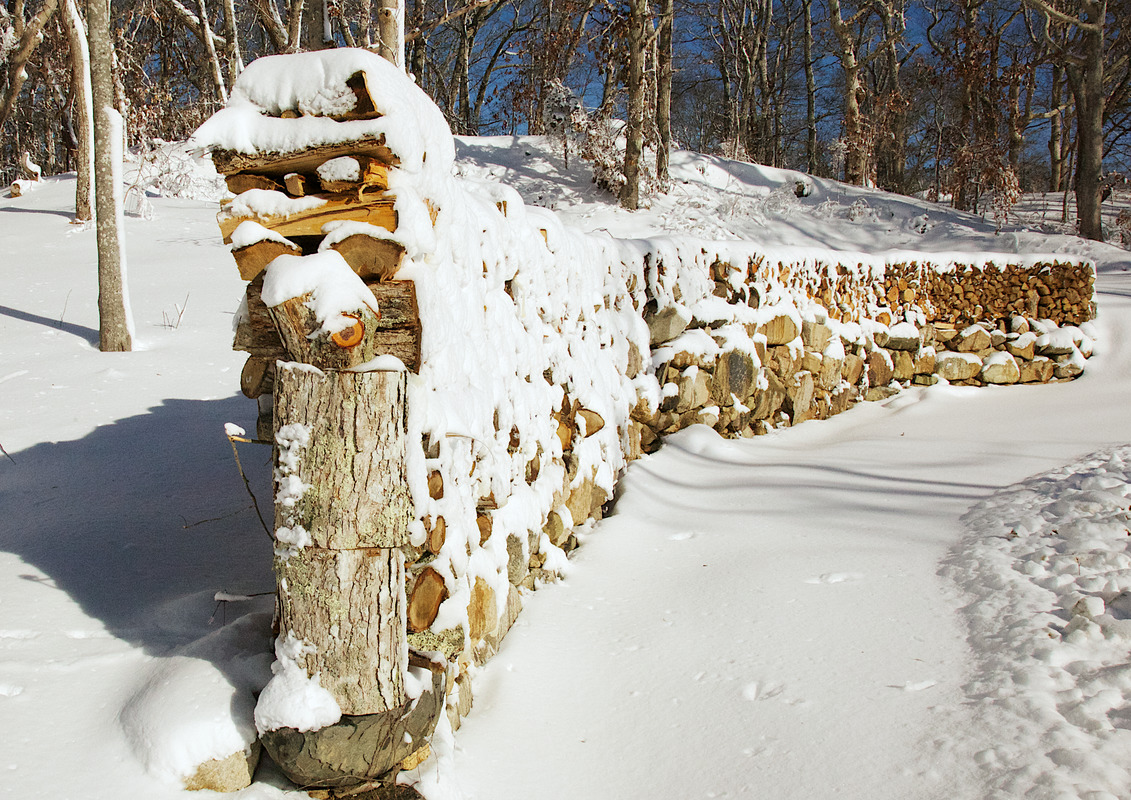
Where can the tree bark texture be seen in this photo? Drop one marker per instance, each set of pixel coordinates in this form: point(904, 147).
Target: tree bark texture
point(113, 326)
point(664, 93)
point(354, 466)
point(350, 605)
point(390, 31)
point(1087, 82)
point(634, 130)
point(210, 50)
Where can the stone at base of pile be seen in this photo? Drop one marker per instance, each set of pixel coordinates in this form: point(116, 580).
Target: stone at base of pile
point(226, 774)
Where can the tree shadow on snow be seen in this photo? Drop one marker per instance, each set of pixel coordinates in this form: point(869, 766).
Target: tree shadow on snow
point(81, 331)
point(143, 520)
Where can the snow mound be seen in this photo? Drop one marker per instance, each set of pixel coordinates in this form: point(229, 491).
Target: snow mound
point(315, 85)
point(198, 705)
point(1048, 565)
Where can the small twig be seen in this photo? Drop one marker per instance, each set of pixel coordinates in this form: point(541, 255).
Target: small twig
point(9, 455)
point(247, 484)
point(64, 312)
point(223, 598)
point(188, 524)
point(180, 312)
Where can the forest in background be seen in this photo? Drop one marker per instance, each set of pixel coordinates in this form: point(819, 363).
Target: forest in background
point(971, 101)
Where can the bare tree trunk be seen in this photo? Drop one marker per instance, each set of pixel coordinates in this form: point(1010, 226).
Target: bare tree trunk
point(1088, 91)
point(231, 29)
point(83, 105)
point(810, 93)
point(390, 30)
point(29, 37)
point(856, 150)
point(210, 49)
point(316, 31)
point(664, 93)
point(1056, 132)
point(634, 130)
point(113, 309)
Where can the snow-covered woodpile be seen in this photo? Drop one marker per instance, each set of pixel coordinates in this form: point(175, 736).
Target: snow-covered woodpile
point(801, 337)
point(525, 364)
point(966, 293)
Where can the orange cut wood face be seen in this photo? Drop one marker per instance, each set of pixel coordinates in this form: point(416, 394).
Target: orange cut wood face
point(351, 335)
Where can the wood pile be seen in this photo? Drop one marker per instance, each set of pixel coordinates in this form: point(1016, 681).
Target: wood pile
point(991, 325)
point(1062, 292)
point(340, 540)
point(337, 183)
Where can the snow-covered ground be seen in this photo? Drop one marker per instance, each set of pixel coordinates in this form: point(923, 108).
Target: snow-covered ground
point(919, 598)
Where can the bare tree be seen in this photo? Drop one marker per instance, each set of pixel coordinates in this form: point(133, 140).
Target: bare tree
point(1083, 53)
point(83, 112)
point(113, 314)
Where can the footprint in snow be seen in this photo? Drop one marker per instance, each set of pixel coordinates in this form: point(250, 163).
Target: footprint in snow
point(10, 690)
point(682, 536)
point(836, 577)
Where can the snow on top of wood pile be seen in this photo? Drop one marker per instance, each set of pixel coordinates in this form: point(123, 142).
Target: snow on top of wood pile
point(318, 86)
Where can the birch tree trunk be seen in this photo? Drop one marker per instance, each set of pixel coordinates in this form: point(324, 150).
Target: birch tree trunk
point(231, 29)
point(210, 49)
point(114, 326)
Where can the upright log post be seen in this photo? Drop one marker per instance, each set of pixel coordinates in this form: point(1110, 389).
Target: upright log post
point(343, 593)
point(342, 511)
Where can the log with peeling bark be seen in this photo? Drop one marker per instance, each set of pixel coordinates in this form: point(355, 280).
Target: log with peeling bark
point(254, 258)
point(375, 210)
point(373, 175)
point(395, 332)
point(355, 464)
point(307, 160)
point(358, 749)
point(372, 258)
point(348, 604)
point(242, 182)
point(255, 330)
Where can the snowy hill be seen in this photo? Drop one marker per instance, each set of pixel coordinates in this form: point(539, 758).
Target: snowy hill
point(758, 618)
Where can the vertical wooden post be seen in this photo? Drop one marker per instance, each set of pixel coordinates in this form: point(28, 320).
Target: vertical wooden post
point(340, 469)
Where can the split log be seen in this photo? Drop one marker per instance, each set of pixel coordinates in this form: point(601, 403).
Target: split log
point(242, 181)
point(255, 331)
point(372, 258)
point(424, 602)
point(306, 160)
point(354, 466)
point(437, 535)
point(358, 749)
point(254, 258)
point(348, 604)
point(257, 377)
point(298, 185)
point(377, 211)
